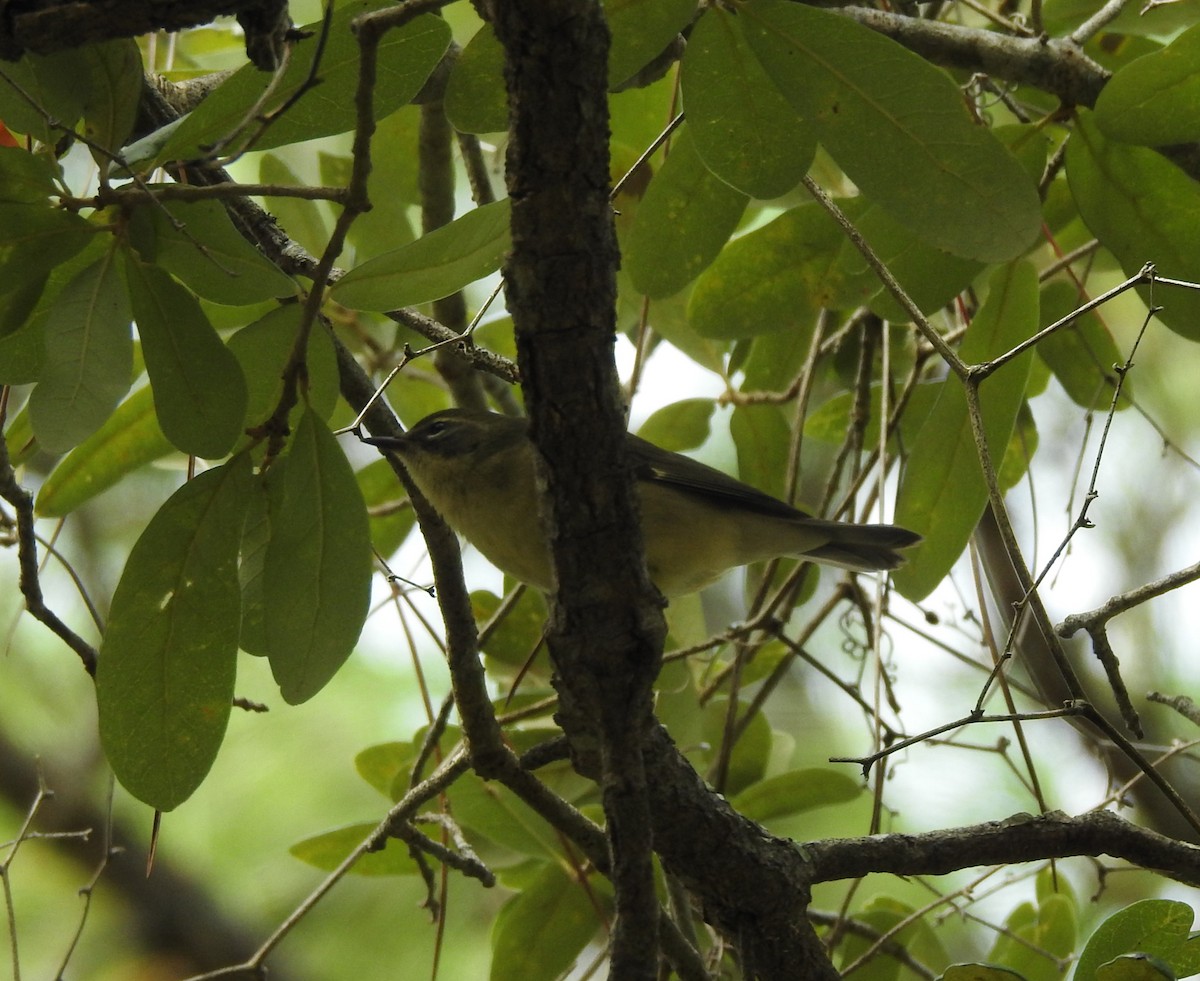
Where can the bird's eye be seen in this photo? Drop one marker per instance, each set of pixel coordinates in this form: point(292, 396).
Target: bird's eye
point(437, 429)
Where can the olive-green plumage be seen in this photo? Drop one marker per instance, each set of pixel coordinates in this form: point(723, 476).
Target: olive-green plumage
point(477, 470)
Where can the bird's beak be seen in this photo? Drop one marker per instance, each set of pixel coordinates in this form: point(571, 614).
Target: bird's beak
point(385, 442)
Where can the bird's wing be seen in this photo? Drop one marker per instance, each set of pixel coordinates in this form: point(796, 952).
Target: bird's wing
point(688, 476)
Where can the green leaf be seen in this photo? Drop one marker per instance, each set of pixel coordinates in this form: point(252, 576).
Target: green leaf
point(930, 276)
point(490, 809)
point(392, 186)
point(1143, 209)
point(1083, 353)
point(898, 128)
point(41, 236)
point(1135, 967)
point(199, 390)
point(381, 765)
point(641, 30)
point(475, 95)
point(26, 178)
point(129, 439)
point(406, 57)
point(263, 348)
point(541, 930)
point(1160, 927)
point(979, 972)
point(328, 850)
point(1037, 937)
point(164, 685)
point(303, 219)
point(830, 422)
point(256, 535)
point(435, 265)
point(89, 357)
point(317, 570)
point(31, 281)
point(1022, 446)
point(886, 916)
point(383, 492)
point(763, 439)
point(112, 95)
point(748, 761)
point(1155, 101)
point(942, 494)
point(196, 242)
point(54, 83)
point(795, 792)
point(746, 132)
point(775, 278)
point(682, 223)
point(680, 425)
point(517, 636)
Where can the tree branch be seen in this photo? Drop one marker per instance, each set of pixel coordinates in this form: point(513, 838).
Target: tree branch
point(1020, 838)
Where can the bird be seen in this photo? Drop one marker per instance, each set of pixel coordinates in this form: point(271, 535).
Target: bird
point(477, 470)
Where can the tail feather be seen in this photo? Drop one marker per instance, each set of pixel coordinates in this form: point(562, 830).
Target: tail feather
point(866, 548)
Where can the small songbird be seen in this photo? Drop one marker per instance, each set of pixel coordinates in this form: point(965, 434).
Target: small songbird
point(477, 470)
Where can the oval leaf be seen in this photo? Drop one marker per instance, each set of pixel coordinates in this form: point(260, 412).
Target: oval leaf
point(89, 357)
point(327, 851)
point(1156, 99)
point(685, 218)
point(774, 278)
point(435, 265)
point(196, 242)
point(796, 792)
point(164, 685)
point(898, 128)
point(746, 132)
point(130, 438)
point(1083, 353)
point(1160, 927)
point(263, 348)
point(475, 96)
point(1143, 209)
point(199, 390)
point(641, 30)
point(406, 57)
point(317, 568)
point(943, 493)
point(541, 930)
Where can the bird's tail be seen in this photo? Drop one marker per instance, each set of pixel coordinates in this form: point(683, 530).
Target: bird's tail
point(865, 548)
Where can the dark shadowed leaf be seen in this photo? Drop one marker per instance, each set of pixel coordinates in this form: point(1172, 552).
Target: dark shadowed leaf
point(1143, 209)
point(540, 931)
point(165, 681)
point(199, 390)
point(641, 29)
point(317, 569)
point(89, 357)
point(196, 242)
